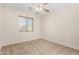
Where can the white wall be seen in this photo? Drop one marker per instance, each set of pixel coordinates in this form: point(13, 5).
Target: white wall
point(63, 27)
point(1, 26)
point(10, 26)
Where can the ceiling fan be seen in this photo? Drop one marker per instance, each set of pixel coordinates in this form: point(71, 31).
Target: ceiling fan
point(39, 7)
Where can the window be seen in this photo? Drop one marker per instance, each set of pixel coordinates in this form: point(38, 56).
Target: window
point(25, 24)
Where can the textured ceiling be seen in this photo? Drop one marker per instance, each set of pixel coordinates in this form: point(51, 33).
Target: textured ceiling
point(53, 7)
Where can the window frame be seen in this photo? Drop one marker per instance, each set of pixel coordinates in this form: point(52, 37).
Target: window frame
point(26, 25)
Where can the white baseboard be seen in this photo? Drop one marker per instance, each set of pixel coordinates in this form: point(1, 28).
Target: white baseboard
point(21, 40)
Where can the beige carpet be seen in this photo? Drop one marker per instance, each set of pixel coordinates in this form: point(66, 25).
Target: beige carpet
point(38, 47)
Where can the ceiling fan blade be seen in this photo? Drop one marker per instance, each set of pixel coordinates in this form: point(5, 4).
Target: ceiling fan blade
point(38, 13)
point(30, 8)
point(46, 10)
point(45, 3)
